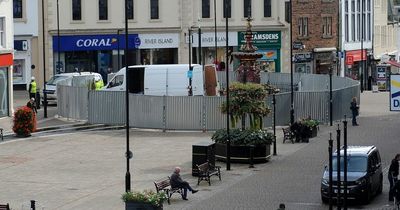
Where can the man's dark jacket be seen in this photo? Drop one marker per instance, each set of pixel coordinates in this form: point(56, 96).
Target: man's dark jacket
point(394, 168)
point(176, 180)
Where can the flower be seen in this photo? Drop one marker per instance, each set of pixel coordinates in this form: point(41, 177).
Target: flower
point(147, 196)
point(24, 121)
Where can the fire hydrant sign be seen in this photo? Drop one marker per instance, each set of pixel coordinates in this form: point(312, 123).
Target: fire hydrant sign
point(394, 92)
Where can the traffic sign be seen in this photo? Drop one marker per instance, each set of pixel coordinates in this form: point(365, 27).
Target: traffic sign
point(190, 74)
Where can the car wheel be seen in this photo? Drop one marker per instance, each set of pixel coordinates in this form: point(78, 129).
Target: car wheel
point(367, 196)
point(324, 200)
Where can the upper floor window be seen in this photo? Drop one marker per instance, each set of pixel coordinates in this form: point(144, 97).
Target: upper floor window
point(76, 10)
point(154, 9)
point(267, 8)
point(247, 8)
point(103, 10)
point(205, 8)
point(327, 26)
point(130, 10)
point(17, 8)
point(287, 12)
point(228, 9)
point(2, 34)
point(302, 25)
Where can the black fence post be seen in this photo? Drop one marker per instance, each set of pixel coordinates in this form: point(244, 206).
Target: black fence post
point(345, 163)
point(33, 206)
point(338, 167)
point(274, 120)
point(330, 150)
point(251, 156)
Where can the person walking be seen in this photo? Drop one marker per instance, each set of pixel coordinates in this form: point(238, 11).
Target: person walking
point(177, 182)
point(392, 174)
point(32, 88)
point(354, 110)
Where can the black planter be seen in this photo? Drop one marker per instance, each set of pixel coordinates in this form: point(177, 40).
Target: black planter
point(241, 154)
point(141, 206)
point(310, 132)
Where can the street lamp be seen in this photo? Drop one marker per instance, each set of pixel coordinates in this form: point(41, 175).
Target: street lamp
point(273, 91)
point(215, 31)
point(190, 93)
point(291, 67)
point(58, 39)
point(128, 153)
point(228, 142)
point(44, 65)
point(118, 53)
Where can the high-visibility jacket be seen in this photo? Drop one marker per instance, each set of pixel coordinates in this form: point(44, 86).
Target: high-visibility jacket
point(33, 87)
point(98, 85)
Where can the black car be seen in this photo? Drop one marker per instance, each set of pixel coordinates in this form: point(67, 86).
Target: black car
point(364, 174)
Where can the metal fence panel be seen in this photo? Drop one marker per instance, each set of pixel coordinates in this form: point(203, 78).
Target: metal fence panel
point(311, 104)
point(184, 112)
point(214, 119)
point(146, 111)
point(72, 102)
point(107, 107)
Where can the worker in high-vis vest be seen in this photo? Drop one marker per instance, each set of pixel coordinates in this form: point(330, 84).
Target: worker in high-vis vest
point(32, 88)
point(98, 84)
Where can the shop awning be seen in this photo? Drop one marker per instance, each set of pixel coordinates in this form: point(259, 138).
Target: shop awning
point(393, 63)
point(324, 49)
point(6, 60)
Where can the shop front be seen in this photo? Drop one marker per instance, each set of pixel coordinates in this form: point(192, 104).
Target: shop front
point(105, 53)
point(354, 61)
point(6, 61)
point(22, 64)
point(303, 62)
point(269, 44)
point(325, 60)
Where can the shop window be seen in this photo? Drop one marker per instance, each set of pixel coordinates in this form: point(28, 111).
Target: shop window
point(247, 8)
point(3, 92)
point(18, 70)
point(154, 7)
point(205, 8)
point(76, 10)
point(130, 10)
point(2, 33)
point(103, 10)
point(17, 9)
point(227, 11)
point(267, 8)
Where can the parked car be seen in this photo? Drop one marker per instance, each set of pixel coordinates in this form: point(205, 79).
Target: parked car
point(65, 79)
point(364, 174)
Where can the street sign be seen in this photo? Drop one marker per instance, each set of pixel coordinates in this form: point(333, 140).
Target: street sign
point(394, 92)
point(297, 45)
point(190, 74)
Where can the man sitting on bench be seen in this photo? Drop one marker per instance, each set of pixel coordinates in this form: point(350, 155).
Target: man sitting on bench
point(177, 182)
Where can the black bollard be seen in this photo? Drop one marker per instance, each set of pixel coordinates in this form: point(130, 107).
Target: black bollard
point(33, 207)
point(338, 167)
point(330, 148)
point(345, 163)
point(251, 156)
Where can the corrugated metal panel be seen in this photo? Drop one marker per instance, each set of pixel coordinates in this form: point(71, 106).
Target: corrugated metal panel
point(314, 104)
point(72, 102)
point(214, 119)
point(146, 111)
point(107, 107)
point(184, 112)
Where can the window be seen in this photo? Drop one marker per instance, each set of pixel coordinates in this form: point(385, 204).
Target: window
point(354, 163)
point(353, 20)
point(358, 21)
point(205, 8)
point(267, 8)
point(103, 10)
point(303, 26)
point(229, 8)
point(369, 24)
point(17, 8)
point(247, 8)
point(327, 26)
point(130, 9)
point(2, 33)
point(287, 12)
point(346, 22)
point(76, 10)
point(154, 9)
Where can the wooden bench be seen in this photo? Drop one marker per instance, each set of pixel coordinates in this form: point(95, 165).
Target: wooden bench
point(4, 207)
point(288, 135)
point(206, 170)
point(164, 185)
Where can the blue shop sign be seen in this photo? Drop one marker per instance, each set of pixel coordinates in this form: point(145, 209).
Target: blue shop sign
point(95, 42)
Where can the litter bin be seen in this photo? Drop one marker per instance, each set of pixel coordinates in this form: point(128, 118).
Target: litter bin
point(202, 152)
point(37, 100)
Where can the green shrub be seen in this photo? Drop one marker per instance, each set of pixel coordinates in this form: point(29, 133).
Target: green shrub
point(147, 196)
point(310, 123)
point(245, 137)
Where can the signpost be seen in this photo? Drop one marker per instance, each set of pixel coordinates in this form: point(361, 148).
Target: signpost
point(394, 92)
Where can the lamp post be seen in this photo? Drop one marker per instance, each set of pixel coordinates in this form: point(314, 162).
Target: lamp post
point(44, 65)
point(291, 67)
point(199, 45)
point(228, 141)
point(190, 93)
point(274, 91)
point(128, 153)
point(58, 39)
point(330, 97)
point(215, 31)
point(118, 53)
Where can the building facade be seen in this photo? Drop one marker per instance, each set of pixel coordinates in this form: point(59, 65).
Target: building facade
point(6, 58)
point(315, 35)
point(26, 42)
point(89, 35)
point(356, 39)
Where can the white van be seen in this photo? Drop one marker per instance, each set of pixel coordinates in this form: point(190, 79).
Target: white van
point(65, 79)
point(159, 80)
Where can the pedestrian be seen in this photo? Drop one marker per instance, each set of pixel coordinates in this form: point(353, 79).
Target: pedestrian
point(98, 83)
point(282, 206)
point(177, 182)
point(354, 110)
point(31, 104)
point(32, 88)
point(392, 174)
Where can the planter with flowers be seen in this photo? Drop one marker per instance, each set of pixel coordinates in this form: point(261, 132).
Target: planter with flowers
point(24, 122)
point(145, 200)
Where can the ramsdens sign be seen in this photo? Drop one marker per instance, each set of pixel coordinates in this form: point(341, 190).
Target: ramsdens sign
point(95, 42)
point(262, 39)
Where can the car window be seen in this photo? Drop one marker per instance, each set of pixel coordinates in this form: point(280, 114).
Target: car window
point(116, 81)
point(354, 163)
point(55, 79)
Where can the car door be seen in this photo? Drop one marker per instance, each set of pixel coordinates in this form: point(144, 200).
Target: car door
point(374, 171)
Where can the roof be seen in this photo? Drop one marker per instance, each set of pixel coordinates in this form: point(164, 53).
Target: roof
point(357, 150)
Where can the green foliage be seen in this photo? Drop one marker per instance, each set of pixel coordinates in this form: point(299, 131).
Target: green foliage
point(147, 196)
point(309, 123)
point(247, 99)
point(245, 137)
